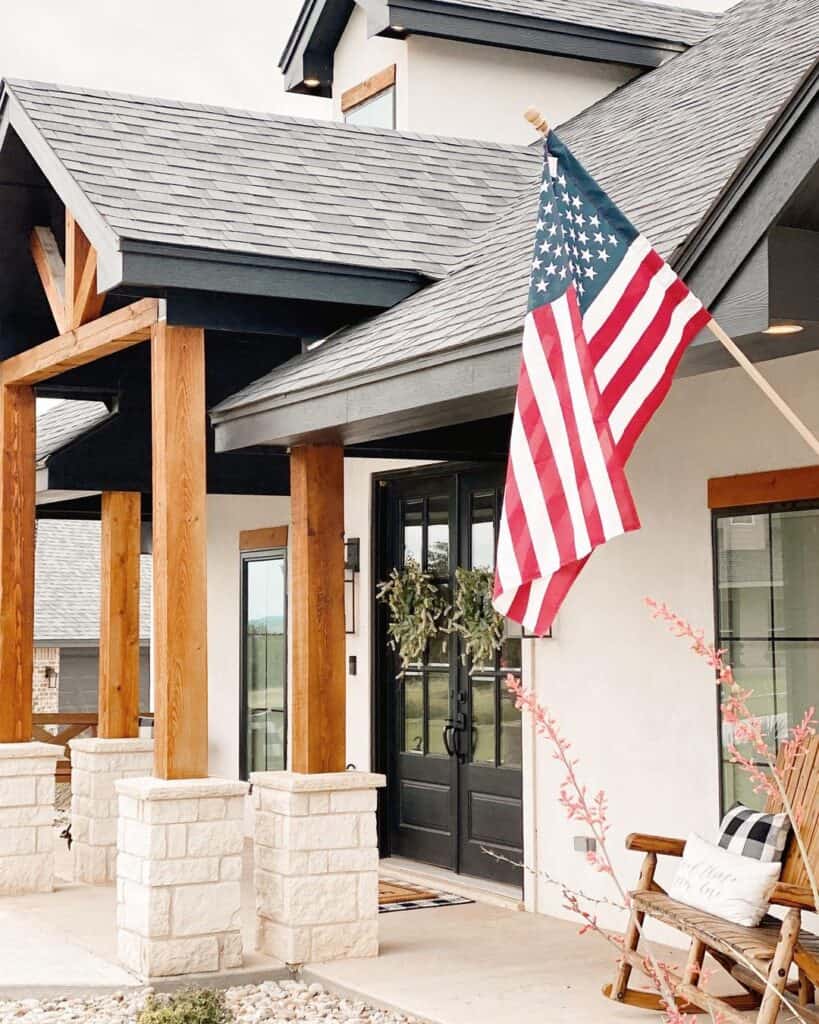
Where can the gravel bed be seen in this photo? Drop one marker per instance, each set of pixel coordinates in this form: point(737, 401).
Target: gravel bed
point(282, 1001)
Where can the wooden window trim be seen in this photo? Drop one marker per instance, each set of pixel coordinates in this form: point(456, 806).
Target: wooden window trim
point(370, 87)
point(261, 540)
point(766, 488)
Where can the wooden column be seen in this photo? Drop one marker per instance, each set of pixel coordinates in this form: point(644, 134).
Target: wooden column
point(119, 615)
point(318, 679)
point(17, 449)
point(179, 552)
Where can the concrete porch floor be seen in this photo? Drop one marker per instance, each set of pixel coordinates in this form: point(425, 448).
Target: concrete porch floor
point(452, 965)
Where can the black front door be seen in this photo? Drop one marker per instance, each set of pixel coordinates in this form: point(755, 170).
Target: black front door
point(452, 736)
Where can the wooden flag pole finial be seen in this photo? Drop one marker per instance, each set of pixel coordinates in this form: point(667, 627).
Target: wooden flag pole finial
point(536, 120)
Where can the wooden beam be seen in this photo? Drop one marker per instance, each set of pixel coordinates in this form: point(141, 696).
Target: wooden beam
point(370, 87)
point(17, 445)
point(263, 539)
point(179, 552)
point(111, 333)
point(49, 263)
point(82, 303)
point(119, 615)
point(318, 680)
point(768, 487)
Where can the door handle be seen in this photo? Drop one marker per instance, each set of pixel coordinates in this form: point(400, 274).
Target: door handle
point(447, 733)
point(459, 730)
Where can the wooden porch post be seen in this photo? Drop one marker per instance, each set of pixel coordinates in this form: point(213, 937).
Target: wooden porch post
point(317, 583)
point(179, 546)
point(119, 615)
point(17, 482)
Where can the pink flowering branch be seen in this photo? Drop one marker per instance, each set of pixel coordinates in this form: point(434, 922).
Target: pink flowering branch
point(591, 811)
point(766, 777)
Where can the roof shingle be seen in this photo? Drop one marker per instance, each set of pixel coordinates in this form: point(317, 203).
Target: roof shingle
point(663, 147)
point(162, 171)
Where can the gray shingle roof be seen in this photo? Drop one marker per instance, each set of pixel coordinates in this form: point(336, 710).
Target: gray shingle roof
point(162, 171)
point(663, 146)
point(634, 17)
point(67, 583)
point(62, 423)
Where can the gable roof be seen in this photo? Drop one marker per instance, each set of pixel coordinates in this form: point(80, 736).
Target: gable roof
point(641, 33)
point(67, 584)
point(663, 146)
point(153, 172)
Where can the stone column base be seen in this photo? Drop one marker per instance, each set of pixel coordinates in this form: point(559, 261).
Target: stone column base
point(179, 869)
point(27, 816)
point(96, 764)
point(316, 858)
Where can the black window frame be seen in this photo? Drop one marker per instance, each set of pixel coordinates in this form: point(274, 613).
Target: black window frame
point(769, 509)
point(245, 557)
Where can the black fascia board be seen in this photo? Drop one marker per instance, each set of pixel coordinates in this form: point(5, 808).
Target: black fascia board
point(158, 266)
point(311, 47)
point(526, 32)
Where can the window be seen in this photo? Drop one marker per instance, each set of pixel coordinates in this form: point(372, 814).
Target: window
point(264, 661)
point(371, 104)
point(767, 606)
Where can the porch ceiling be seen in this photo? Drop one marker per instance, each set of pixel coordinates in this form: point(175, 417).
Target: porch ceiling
point(450, 353)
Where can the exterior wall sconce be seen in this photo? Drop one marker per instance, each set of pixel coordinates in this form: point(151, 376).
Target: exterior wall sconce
point(352, 567)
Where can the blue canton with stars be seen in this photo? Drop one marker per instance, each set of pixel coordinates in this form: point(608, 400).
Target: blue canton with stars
point(581, 235)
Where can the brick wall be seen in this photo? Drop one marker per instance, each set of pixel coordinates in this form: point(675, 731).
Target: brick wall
point(46, 680)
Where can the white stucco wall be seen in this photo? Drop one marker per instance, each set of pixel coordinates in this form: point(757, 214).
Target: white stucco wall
point(481, 92)
point(461, 89)
point(637, 705)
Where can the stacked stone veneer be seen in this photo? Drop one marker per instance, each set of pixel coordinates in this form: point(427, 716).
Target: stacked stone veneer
point(179, 869)
point(27, 816)
point(96, 765)
point(316, 860)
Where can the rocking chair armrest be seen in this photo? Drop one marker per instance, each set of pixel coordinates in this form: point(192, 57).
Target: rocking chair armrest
point(787, 895)
point(655, 844)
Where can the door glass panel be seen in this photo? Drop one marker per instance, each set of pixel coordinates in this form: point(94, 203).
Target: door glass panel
point(510, 731)
point(795, 572)
point(483, 721)
point(413, 518)
point(438, 536)
point(438, 653)
point(744, 558)
point(438, 704)
point(413, 731)
point(264, 667)
point(482, 522)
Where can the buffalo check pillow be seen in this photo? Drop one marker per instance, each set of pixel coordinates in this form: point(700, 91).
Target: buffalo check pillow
point(754, 834)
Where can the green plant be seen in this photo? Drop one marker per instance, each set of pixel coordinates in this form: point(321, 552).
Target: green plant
point(480, 626)
point(416, 606)
point(188, 1006)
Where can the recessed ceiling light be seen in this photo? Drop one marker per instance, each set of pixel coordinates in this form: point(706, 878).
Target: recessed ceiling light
point(784, 329)
point(312, 83)
point(397, 28)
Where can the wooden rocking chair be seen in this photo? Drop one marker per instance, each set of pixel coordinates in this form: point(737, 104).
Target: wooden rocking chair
point(747, 954)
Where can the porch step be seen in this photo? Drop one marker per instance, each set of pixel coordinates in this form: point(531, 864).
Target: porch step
point(498, 894)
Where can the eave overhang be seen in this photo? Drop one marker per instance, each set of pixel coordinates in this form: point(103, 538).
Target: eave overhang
point(308, 55)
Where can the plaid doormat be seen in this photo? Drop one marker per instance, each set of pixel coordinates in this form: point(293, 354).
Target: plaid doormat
point(394, 896)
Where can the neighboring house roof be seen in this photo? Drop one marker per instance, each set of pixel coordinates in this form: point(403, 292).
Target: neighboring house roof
point(643, 34)
point(63, 423)
point(67, 584)
point(227, 181)
point(664, 147)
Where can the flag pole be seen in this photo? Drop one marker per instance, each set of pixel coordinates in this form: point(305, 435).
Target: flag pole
point(539, 123)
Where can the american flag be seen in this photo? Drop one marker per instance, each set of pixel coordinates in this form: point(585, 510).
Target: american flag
point(607, 325)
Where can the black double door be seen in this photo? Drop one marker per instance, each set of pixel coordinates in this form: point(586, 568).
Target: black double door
point(453, 735)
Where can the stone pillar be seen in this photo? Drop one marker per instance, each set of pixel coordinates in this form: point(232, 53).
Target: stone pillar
point(316, 860)
point(179, 870)
point(96, 765)
point(27, 816)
